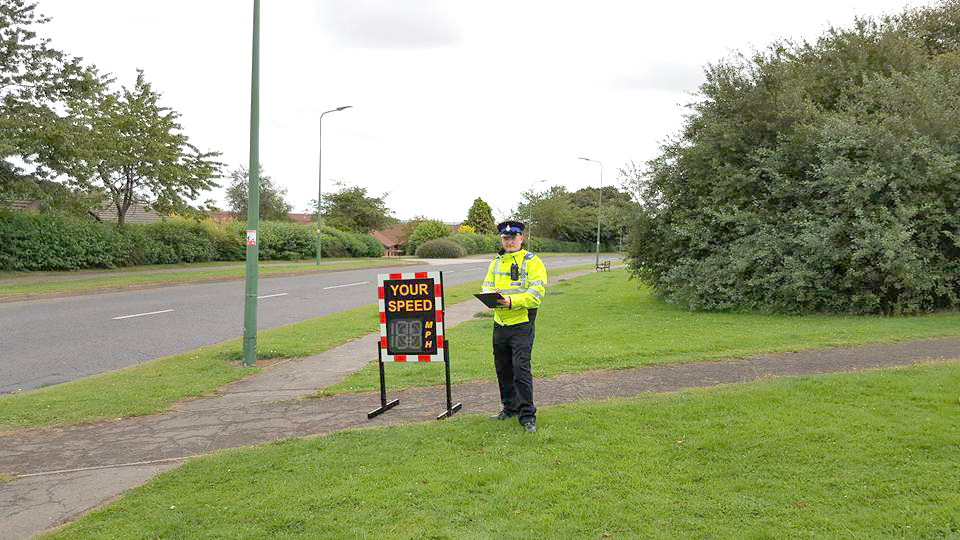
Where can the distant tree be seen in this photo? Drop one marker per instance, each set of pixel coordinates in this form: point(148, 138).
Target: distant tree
point(133, 149)
point(480, 217)
point(35, 82)
point(556, 213)
point(351, 209)
point(273, 205)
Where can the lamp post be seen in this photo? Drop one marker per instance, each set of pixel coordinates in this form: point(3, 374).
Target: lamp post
point(320, 174)
point(599, 206)
point(253, 203)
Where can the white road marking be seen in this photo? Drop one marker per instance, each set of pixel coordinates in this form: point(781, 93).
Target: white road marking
point(142, 314)
point(273, 295)
point(347, 285)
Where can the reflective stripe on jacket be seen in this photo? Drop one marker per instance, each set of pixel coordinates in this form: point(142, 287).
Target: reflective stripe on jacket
point(524, 293)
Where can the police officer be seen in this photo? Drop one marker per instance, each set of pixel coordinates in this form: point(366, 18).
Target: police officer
point(521, 278)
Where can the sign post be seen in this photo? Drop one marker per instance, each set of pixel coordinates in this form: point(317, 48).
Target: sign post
point(411, 328)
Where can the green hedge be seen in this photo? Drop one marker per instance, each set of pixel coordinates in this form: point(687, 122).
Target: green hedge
point(441, 248)
point(53, 242)
point(60, 242)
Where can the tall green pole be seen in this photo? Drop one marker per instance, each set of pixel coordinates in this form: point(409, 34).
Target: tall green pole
point(253, 203)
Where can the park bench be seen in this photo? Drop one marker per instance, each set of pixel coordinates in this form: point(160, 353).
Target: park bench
point(603, 266)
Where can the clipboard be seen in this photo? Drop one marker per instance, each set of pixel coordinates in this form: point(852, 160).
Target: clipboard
point(489, 299)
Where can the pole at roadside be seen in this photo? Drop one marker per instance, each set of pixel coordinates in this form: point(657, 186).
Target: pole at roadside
point(253, 202)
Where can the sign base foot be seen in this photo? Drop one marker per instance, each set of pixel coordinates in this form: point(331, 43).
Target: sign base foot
point(382, 409)
point(450, 411)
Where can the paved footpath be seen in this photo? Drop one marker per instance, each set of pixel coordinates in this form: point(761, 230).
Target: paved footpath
point(60, 473)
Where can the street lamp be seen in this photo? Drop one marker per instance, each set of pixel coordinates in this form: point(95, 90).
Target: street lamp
point(320, 173)
point(599, 206)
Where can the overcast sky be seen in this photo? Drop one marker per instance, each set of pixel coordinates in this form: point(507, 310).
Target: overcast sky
point(452, 100)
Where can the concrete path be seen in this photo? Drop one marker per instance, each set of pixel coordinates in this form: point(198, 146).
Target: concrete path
point(63, 472)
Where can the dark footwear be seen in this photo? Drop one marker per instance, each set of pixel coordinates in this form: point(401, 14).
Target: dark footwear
point(530, 427)
point(504, 414)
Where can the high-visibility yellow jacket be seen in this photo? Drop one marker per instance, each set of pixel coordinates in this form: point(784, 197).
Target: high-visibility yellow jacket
point(525, 293)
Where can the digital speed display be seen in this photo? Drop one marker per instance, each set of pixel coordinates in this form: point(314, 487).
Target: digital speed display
point(405, 335)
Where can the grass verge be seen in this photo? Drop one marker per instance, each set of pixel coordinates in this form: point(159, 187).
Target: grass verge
point(602, 321)
point(870, 455)
point(25, 285)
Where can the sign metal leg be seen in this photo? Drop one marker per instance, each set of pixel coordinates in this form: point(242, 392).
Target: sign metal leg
point(451, 408)
point(384, 406)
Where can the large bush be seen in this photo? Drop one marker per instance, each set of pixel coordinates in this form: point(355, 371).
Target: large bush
point(430, 229)
point(816, 177)
point(475, 243)
point(441, 248)
point(176, 241)
point(284, 240)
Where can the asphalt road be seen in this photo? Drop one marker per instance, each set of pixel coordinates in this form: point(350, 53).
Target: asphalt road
point(50, 341)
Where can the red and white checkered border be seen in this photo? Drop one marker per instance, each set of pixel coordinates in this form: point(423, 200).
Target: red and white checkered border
point(438, 304)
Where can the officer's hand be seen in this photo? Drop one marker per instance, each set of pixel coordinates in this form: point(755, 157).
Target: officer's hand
point(505, 302)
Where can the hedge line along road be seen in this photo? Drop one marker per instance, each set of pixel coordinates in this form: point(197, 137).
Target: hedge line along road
point(55, 340)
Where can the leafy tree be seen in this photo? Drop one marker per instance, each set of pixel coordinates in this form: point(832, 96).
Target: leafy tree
point(815, 177)
point(273, 205)
point(35, 81)
point(133, 149)
point(556, 213)
point(351, 209)
point(551, 213)
point(480, 217)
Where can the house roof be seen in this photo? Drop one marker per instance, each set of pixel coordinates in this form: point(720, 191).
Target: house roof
point(22, 204)
point(390, 236)
point(137, 213)
point(302, 218)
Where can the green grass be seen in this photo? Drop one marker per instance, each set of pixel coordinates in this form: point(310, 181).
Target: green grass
point(603, 321)
point(22, 285)
point(870, 455)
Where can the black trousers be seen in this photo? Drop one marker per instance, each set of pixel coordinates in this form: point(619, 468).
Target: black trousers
point(512, 347)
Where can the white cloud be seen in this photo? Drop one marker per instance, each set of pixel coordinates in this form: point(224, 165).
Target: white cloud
point(386, 24)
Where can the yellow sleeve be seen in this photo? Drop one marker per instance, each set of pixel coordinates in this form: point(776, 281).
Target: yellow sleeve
point(489, 284)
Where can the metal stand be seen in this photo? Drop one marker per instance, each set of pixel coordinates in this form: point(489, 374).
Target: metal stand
point(451, 408)
point(384, 406)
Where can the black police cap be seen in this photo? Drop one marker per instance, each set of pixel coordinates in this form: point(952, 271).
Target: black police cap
point(510, 227)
